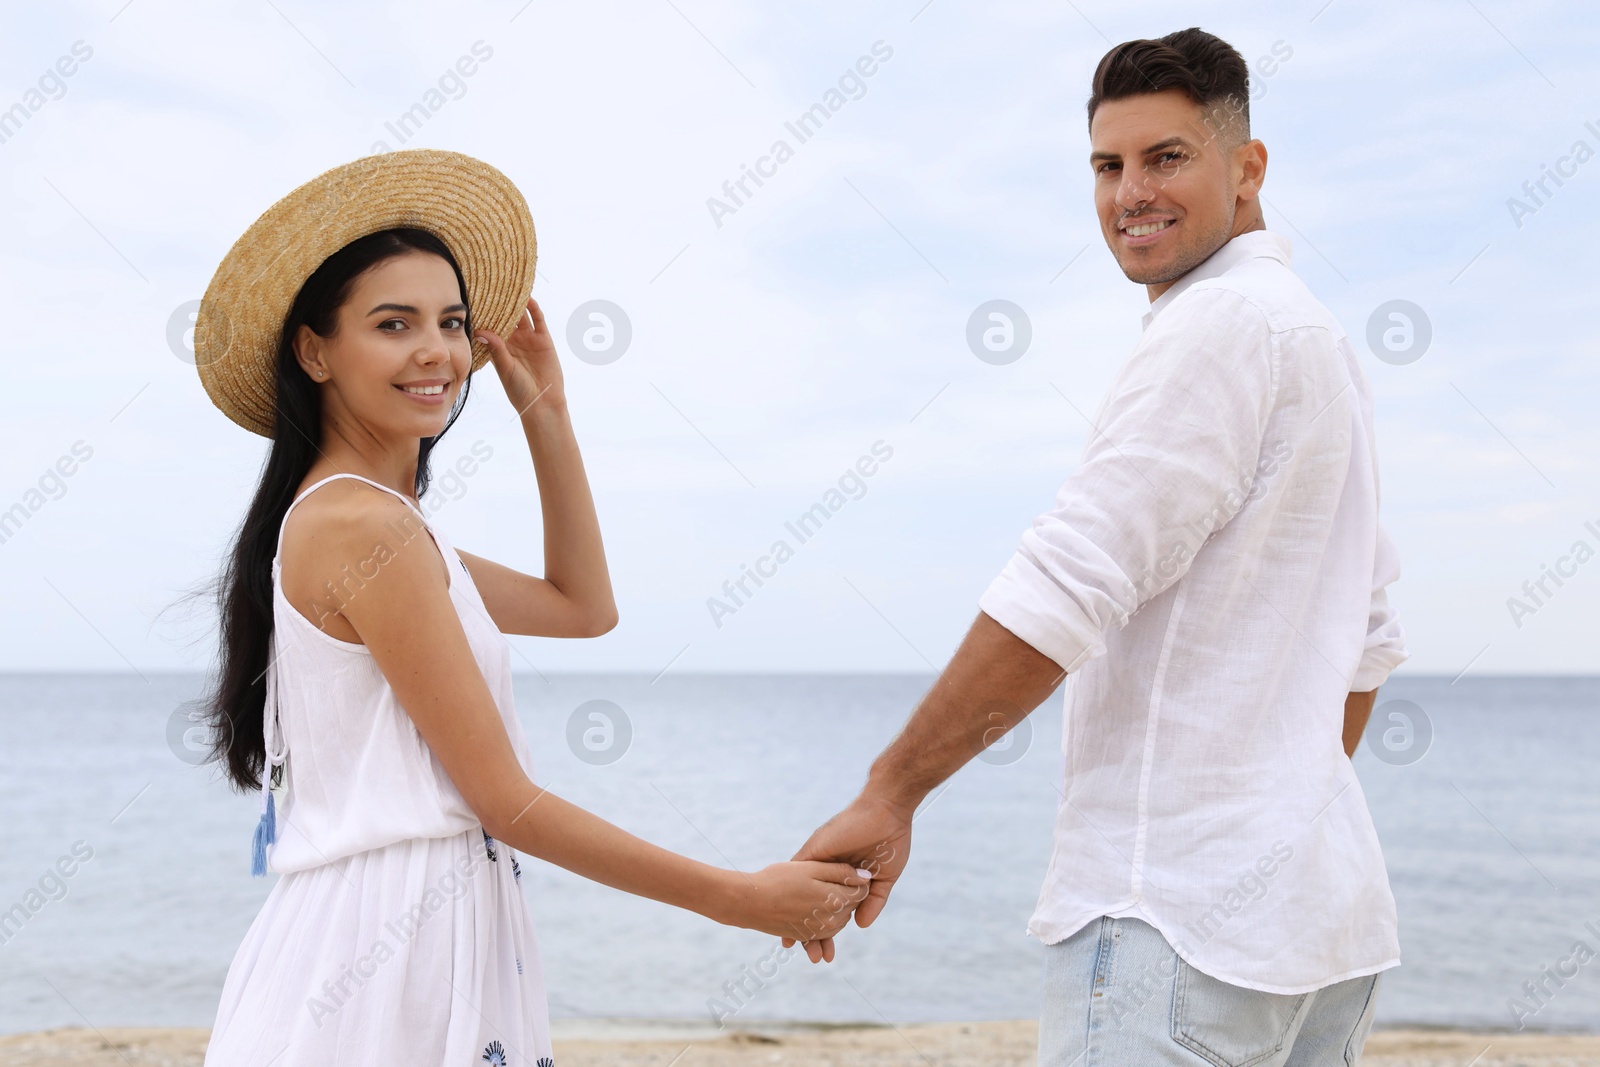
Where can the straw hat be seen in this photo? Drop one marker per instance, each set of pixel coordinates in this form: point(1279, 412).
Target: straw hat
point(472, 207)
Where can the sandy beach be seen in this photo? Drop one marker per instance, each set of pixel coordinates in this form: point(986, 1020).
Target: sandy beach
point(627, 1044)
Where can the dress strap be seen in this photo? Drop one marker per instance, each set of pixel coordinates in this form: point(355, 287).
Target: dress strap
point(343, 474)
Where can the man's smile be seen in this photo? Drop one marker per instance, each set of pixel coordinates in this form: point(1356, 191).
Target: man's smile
point(1138, 233)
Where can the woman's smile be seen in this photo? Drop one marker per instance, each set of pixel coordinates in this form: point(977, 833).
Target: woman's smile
point(429, 391)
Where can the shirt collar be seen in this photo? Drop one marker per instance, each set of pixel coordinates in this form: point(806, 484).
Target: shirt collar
point(1250, 245)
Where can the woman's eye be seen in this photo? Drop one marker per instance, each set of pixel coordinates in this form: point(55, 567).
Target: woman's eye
point(453, 322)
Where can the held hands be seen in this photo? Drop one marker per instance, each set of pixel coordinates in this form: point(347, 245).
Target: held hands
point(526, 361)
point(874, 834)
point(795, 901)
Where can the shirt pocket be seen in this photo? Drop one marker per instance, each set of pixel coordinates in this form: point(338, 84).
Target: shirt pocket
point(1231, 1026)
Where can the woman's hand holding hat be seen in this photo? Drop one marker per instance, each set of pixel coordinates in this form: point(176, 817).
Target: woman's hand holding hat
point(526, 362)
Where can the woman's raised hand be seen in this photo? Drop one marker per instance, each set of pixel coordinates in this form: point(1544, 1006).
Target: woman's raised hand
point(805, 900)
point(526, 361)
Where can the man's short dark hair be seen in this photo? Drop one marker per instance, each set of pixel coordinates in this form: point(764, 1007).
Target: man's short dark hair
point(1208, 69)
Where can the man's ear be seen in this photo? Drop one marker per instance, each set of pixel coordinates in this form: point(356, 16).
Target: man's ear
point(1251, 160)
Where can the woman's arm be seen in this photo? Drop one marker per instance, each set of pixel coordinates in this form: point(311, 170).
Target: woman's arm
point(407, 620)
point(804, 901)
point(574, 597)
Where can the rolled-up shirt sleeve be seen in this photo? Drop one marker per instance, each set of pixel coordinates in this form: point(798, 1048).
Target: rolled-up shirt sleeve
point(1385, 647)
point(1172, 461)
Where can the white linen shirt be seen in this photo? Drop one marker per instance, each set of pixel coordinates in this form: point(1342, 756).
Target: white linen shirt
point(1212, 578)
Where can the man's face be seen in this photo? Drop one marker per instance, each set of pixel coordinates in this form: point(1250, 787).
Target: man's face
point(1168, 189)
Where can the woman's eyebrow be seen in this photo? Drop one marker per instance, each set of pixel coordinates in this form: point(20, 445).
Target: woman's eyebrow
point(409, 310)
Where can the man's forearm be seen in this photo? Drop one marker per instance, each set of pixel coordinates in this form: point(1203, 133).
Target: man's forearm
point(991, 683)
point(1357, 709)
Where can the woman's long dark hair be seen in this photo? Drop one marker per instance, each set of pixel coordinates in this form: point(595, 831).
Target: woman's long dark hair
point(243, 591)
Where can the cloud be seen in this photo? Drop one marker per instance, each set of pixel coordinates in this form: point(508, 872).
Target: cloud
point(820, 318)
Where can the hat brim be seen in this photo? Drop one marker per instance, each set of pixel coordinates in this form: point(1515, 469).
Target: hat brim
point(472, 207)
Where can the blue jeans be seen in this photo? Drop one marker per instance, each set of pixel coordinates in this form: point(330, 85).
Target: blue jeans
point(1117, 995)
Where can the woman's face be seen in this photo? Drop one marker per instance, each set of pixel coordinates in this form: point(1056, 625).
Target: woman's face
point(399, 350)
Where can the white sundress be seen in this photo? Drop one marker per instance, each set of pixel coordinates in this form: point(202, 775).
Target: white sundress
point(397, 933)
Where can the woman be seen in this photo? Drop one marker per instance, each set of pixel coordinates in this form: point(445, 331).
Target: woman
point(365, 673)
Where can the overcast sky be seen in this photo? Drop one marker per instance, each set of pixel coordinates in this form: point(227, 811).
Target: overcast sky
point(775, 344)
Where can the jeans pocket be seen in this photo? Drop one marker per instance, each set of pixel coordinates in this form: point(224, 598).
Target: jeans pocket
point(1229, 1025)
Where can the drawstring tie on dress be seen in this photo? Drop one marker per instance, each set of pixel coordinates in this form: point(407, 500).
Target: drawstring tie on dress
point(267, 828)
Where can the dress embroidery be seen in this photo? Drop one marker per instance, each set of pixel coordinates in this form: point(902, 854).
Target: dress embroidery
point(494, 1053)
point(516, 868)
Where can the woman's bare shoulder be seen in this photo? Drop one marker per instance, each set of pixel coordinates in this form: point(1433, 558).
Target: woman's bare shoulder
point(345, 512)
point(340, 534)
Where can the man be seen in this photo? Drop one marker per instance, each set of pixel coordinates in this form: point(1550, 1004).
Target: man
point(1211, 583)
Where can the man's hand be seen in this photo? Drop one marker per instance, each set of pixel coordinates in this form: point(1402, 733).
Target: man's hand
point(991, 683)
point(873, 833)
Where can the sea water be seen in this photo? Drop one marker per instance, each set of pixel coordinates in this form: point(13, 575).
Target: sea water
point(1492, 840)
